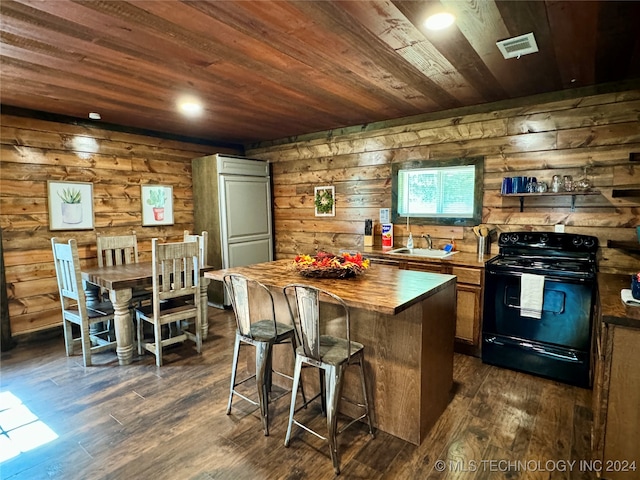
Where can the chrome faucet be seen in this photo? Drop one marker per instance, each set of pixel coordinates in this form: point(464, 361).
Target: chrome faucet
point(429, 242)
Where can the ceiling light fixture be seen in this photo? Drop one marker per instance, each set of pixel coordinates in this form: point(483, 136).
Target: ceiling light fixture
point(94, 116)
point(190, 107)
point(439, 21)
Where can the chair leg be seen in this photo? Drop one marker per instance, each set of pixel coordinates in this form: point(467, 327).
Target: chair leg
point(157, 333)
point(234, 368)
point(198, 332)
point(263, 353)
point(86, 345)
point(294, 393)
point(140, 334)
point(68, 337)
point(323, 393)
point(333, 385)
point(365, 394)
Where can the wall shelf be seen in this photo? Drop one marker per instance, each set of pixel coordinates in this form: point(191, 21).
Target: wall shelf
point(573, 195)
point(629, 246)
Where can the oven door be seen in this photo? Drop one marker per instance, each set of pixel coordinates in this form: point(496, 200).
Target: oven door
point(566, 311)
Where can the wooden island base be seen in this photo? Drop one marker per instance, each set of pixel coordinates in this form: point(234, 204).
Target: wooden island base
point(407, 329)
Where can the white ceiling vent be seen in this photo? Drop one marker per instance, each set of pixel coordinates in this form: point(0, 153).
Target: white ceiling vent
point(517, 46)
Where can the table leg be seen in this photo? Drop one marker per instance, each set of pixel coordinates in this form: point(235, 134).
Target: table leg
point(204, 303)
point(121, 300)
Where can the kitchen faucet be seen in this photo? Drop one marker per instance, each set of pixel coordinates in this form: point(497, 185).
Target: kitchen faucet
point(428, 239)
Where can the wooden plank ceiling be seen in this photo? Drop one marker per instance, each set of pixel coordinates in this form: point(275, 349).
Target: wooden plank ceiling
point(273, 69)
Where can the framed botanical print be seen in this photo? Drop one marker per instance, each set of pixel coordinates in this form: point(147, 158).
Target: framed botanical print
point(325, 203)
point(157, 205)
point(70, 205)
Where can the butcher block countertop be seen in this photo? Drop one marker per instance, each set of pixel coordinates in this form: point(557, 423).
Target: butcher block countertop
point(381, 289)
point(613, 310)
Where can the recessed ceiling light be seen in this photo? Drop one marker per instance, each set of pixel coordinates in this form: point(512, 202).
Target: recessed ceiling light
point(190, 107)
point(94, 116)
point(439, 21)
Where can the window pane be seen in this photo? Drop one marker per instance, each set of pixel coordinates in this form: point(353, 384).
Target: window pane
point(433, 192)
point(457, 198)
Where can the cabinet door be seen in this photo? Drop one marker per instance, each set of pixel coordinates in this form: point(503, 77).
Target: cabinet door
point(468, 316)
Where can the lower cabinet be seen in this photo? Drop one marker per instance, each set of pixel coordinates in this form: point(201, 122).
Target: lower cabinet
point(470, 285)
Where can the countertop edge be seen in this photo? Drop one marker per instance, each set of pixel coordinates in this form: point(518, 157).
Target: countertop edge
point(463, 259)
point(612, 309)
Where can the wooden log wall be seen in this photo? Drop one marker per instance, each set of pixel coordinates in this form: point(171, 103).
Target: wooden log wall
point(540, 139)
point(33, 151)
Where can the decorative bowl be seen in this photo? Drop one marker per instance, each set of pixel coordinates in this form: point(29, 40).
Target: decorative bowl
point(328, 265)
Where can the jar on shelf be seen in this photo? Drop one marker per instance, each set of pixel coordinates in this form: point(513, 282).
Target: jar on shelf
point(556, 184)
point(567, 183)
point(583, 184)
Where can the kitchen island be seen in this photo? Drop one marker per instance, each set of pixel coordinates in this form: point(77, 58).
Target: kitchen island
point(616, 386)
point(406, 321)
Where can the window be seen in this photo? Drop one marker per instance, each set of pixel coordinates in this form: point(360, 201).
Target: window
point(441, 192)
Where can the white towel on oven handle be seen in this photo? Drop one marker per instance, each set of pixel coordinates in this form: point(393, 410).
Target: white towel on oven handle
point(531, 295)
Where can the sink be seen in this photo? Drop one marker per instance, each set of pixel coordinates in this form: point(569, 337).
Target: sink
point(421, 252)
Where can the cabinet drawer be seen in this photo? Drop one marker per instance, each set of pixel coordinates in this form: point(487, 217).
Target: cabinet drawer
point(471, 276)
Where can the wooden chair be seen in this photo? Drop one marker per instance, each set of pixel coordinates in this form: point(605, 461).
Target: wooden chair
point(117, 249)
point(121, 250)
point(331, 354)
point(202, 240)
point(74, 304)
point(257, 326)
point(176, 297)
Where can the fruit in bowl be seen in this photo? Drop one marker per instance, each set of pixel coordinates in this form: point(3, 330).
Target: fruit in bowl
point(329, 265)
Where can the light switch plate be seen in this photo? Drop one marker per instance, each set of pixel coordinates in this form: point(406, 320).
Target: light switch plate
point(559, 228)
point(384, 215)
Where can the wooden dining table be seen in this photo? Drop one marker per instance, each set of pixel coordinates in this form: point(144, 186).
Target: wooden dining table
point(119, 281)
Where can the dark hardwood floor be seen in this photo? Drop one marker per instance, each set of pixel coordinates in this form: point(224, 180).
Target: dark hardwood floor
point(143, 422)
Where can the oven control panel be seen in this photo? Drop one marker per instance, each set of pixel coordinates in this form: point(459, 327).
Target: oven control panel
point(568, 242)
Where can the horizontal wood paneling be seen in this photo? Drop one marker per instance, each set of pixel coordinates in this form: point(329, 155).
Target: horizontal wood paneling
point(542, 139)
point(33, 151)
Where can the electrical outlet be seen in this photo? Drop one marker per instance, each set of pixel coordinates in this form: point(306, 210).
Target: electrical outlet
point(559, 228)
point(384, 215)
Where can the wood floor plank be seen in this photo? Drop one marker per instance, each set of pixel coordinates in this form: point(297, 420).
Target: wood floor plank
point(140, 421)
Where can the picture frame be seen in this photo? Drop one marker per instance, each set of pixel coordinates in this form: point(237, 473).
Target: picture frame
point(70, 205)
point(324, 201)
point(157, 205)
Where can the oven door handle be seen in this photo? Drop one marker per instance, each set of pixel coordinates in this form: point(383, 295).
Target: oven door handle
point(565, 355)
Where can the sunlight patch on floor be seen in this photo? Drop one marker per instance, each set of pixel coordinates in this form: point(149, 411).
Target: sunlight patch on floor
point(20, 428)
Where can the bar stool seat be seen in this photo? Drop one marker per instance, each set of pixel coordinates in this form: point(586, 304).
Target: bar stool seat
point(331, 354)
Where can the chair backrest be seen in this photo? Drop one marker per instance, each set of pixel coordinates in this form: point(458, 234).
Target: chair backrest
point(307, 317)
point(117, 250)
point(202, 240)
point(176, 270)
point(247, 309)
point(67, 263)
